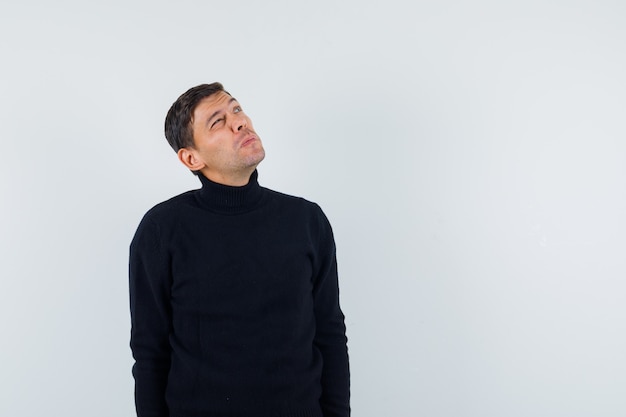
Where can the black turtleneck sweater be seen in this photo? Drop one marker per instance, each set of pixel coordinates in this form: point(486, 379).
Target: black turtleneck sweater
point(235, 307)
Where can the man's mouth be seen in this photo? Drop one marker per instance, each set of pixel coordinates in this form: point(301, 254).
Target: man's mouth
point(248, 141)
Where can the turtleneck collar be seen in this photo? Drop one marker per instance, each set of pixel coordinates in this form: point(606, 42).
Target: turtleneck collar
point(227, 199)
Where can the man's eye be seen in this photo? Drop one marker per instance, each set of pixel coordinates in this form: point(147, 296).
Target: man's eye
point(216, 122)
point(237, 109)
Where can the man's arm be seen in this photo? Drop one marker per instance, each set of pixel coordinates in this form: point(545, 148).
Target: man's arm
point(149, 285)
point(330, 336)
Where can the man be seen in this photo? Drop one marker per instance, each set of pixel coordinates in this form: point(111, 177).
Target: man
point(233, 287)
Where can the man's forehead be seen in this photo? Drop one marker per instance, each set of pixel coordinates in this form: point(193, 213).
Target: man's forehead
point(215, 100)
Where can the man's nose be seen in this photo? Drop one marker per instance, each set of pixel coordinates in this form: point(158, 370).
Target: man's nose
point(239, 123)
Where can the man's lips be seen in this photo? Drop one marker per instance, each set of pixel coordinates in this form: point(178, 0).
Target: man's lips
point(248, 140)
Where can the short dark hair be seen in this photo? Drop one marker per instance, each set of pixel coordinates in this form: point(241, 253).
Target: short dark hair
point(178, 122)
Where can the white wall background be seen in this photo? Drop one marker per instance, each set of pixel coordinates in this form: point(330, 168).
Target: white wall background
point(470, 155)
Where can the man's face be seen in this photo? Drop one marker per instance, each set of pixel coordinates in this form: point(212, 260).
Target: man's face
point(226, 144)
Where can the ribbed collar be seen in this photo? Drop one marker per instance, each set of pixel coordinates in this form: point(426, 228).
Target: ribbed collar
point(226, 199)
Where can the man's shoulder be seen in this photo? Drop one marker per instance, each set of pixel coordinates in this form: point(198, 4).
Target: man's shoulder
point(291, 200)
point(296, 207)
point(173, 204)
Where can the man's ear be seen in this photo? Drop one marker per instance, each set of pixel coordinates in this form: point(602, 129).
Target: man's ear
point(189, 158)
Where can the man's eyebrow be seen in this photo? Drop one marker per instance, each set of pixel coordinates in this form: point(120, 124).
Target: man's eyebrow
point(218, 111)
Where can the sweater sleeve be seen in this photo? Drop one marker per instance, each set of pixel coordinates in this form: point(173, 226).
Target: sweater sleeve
point(149, 285)
point(330, 336)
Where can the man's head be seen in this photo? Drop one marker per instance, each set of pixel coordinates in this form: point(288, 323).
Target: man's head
point(178, 129)
point(211, 134)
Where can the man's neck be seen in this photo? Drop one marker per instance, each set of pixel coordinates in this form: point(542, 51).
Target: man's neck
point(238, 179)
